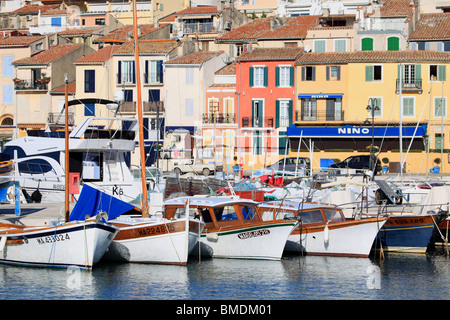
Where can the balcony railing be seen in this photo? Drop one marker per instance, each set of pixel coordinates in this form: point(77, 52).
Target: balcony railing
point(218, 118)
point(21, 84)
point(200, 27)
point(60, 118)
point(148, 106)
point(258, 122)
point(409, 85)
point(319, 116)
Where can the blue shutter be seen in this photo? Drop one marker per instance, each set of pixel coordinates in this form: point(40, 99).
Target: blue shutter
point(119, 72)
point(7, 67)
point(89, 109)
point(134, 71)
point(7, 94)
point(56, 22)
point(160, 76)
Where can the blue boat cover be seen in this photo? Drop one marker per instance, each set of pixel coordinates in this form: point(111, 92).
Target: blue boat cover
point(93, 201)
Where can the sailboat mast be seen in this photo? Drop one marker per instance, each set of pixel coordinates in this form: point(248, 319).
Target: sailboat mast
point(66, 153)
point(140, 112)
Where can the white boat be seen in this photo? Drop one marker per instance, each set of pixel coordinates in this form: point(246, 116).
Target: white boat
point(323, 229)
point(97, 156)
point(6, 177)
point(234, 228)
point(78, 243)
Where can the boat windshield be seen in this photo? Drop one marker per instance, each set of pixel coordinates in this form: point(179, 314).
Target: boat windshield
point(181, 212)
point(249, 213)
point(226, 213)
point(312, 216)
point(334, 215)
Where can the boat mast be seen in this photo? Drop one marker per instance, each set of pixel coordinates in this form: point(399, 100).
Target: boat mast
point(140, 116)
point(66, 153)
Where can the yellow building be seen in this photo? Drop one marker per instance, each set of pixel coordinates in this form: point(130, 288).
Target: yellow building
point(406, 89)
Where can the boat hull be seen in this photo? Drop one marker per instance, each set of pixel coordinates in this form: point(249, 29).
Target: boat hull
point(264, 242)
point(154, 241)
point(352, 238)
point(80, 244)
point(408, 233)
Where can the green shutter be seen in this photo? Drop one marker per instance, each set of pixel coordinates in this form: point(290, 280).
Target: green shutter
point(277, 113)
point(367, 44)
point(266, 76)
point(251, 76)
point(442, 73)
point(291, 116)
point(369, 73)
point(292, 76)
point(393, 44)
point(418, 75)
point(277, 76)
point(282, 143)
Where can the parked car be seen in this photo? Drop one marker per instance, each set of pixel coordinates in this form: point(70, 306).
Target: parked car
point(291, 164)
point(357, 162)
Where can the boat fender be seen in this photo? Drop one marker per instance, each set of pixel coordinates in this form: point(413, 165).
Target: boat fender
point(326, 233)
point(2, 244)
point(213, 236)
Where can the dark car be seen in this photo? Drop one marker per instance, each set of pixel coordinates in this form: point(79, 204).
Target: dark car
point(290, 164)
point(357, 162)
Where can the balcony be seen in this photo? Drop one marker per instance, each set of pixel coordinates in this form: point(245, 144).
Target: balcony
point(199, 27)
point(25, 84)
point(219, 118)
point(319, 116)
point(257, 122)
point(59, 118)
point(148, 107)
point(409, 85)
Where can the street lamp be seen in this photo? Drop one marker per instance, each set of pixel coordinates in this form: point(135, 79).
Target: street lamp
point(372, 107)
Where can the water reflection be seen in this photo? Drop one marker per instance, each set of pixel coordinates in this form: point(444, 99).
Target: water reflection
point(398, 276)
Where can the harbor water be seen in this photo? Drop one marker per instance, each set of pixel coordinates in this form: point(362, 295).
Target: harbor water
point(396, 277)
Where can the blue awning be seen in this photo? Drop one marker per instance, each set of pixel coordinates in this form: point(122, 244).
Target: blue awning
point(320, 95)
point(356, 132)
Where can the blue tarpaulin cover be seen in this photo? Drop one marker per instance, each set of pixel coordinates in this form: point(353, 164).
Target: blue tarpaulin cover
point(93, 201)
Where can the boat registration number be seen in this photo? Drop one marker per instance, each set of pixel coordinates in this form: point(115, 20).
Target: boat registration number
point(252, 234)
point(54, 238)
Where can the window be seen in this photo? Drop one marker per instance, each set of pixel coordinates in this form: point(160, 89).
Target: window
point(283, 113)
point(367, 44)
point(374, 73)
point(284, 76)
point(440, 106)
point(447, 46)
point(189, 75)
point(189, 107)
point(308, 73)
point(7, 66)
point(411, 75)
point(7, 96)
point(154, 95)
point(340, 45)
point(333, 73)
point(393, 44)
point(128, 95)
point(249, 213)
point(89, 109)
point(333, 215)
point(126, 72)
point(319, 46)
point(438, 140)
point(258, 113)
point(100, 21)
point(408, 106)
point(89, 80)
point(258, 76)
point(311, 216)
point(35, 166)
point(438, 72)
point(153, 71)
point(309, 109)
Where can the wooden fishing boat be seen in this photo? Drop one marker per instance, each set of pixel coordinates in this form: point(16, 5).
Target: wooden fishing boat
point(77, 243)
point(323, 229)
point(234, 228)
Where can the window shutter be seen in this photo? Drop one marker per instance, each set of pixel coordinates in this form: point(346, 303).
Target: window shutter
point(251, 76)
point(160, 71)
point(266, 76)
point(328, 73)
point(277, 76)
point(277, 113)
point(303, 73)
point(313, 73)
point(291, 111)
point(147, 76)
point(369, 73)
point(442, 73)
point(292, 76)
point(134, 71)
point(339, 73)
point(418, 75)
point(119, 72)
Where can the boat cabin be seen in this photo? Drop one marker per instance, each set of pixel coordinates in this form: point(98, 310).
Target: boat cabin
point(308, 213)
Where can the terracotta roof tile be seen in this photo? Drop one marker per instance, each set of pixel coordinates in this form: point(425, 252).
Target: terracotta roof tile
point(99, 56)
point(122, 32)
point(19, 41)
point(198, 10)
point(168, 18)
point(227, 70)
point(432, 26)
point(397, 8)
point(49, 55)
point(259, 54)
point(72, 88)
point(373, 56)
point(195, 58)
point(150, 47)
point(34, 9)
point(78, 31)
point(259, 29)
